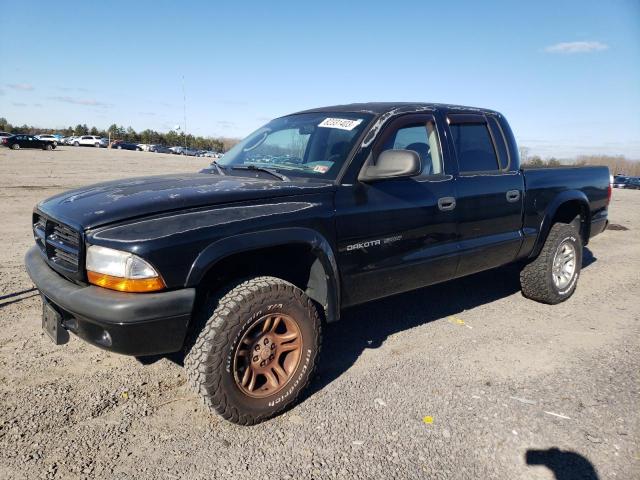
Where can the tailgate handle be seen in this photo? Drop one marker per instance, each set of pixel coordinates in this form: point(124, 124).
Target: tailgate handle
point(513, 196)
point(446, 203)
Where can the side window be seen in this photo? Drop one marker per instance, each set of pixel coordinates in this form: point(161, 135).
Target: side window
point(474, 147)
point(422, 138)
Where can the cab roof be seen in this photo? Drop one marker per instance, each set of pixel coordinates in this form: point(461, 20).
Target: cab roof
point(380, 108)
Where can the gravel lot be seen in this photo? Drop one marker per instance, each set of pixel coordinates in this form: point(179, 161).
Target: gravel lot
point(513, 389)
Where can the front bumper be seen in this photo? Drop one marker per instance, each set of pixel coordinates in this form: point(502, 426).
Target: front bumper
point(127, 323)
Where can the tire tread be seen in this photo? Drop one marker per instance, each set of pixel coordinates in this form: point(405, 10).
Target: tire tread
point(212, 333)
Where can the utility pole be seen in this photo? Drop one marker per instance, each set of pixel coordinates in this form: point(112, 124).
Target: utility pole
point(184, 106)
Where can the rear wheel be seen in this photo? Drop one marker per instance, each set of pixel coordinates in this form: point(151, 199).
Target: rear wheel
point(97, 145)
point(553, 276)
point(256, 351)
point(48, 147)
point(119, 147)
point(15, 146)
point(76, 144)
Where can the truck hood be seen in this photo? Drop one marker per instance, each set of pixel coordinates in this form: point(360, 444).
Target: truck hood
point(110, 202)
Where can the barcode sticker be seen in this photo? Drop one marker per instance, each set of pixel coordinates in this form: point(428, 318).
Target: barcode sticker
point(341, 123)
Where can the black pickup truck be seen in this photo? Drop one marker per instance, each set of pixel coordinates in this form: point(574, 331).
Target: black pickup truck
point(238, 266)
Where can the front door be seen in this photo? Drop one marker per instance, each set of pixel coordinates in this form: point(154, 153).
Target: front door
point(397, 235)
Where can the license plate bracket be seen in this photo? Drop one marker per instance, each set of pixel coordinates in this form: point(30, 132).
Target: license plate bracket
point(52, 324)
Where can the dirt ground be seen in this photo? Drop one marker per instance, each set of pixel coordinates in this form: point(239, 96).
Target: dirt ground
point(463, 380)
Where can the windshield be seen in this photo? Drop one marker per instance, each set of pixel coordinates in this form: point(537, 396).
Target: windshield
point(313, 145)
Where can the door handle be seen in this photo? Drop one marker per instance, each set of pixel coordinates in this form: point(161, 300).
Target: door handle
point(446, 203)
point(513, 196)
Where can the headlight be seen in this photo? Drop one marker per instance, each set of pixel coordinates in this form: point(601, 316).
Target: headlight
point(121, 271)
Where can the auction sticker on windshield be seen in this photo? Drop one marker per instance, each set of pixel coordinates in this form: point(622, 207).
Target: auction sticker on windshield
point(341, 123)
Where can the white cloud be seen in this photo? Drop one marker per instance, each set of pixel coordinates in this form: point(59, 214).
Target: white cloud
point(576, 47)
point(20, 86)
point(80, 101)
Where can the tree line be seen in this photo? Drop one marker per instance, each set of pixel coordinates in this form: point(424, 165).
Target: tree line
point(119, 132)
point(618, 164)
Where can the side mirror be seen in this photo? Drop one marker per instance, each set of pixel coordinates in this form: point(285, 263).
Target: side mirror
point(392, 164)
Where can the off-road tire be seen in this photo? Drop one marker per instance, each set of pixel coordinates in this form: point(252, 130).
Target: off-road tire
point(536, 278)
point(220, 323)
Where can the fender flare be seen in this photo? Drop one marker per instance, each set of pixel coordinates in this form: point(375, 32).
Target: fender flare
point(223, 248)
point(552, 209)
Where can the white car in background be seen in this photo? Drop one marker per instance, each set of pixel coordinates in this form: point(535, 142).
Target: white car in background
point(48, 138)
point(91, 141)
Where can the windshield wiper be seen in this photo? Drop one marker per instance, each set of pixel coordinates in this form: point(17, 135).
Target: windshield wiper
point(218, 168)
point(256, 168)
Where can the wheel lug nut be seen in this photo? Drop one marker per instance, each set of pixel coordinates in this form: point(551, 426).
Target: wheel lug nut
point(257, 348)
point(262, 363)
point(255, 359)
point(273, 346)
point(266, 341)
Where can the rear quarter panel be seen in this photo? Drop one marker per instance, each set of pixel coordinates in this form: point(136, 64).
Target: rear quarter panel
point(548, 188)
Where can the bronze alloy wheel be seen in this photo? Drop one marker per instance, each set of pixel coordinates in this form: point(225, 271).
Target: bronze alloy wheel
point(267, 355)
point(254, 349)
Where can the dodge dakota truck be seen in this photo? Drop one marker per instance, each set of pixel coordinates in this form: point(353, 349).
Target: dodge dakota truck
point(239, 266)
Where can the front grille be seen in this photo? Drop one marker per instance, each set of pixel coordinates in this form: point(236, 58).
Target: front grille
point(59, 243)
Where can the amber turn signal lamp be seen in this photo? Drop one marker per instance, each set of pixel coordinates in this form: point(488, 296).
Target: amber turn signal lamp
point(121, 284)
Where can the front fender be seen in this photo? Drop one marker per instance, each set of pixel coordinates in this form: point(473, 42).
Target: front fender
point(247, 242)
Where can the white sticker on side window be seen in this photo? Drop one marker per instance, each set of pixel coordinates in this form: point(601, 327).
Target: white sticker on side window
point(341, 123)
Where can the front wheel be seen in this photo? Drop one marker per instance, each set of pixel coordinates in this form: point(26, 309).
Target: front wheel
point(97, 145)
point(256, 351)
point(76, 144)
point(553, 276)
point(49, 147)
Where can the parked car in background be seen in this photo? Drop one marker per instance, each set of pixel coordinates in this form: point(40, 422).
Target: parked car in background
point(16, 142)
point(122, 145)
point(191, 152)
point(633, 183)
point(91, 141)
point(159, 149)
point(70, 140)
point(620, 181)
point(5, 135)
point(48, 138)
point(176, 150)
point(210, 154)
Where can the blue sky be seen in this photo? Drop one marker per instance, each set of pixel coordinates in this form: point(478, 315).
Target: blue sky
point(565, 73)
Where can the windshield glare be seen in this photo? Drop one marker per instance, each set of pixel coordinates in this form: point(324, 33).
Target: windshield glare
point(312, 145)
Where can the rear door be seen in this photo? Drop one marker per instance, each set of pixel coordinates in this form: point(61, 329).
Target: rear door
point(399, 234)
point(489, 193)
